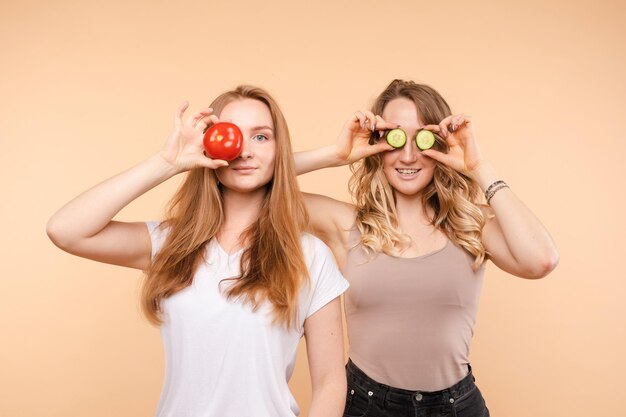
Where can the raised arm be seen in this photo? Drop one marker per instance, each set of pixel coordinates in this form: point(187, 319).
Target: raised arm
point(84, 226)
point(331, 219)
point(352, 144)
point(516, 240)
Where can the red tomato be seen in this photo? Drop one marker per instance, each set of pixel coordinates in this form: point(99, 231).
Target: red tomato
point(223, 140)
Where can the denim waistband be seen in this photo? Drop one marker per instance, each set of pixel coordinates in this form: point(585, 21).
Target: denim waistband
point(383, 393)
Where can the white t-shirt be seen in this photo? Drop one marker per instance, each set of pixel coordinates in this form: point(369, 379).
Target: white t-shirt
point(221, 358)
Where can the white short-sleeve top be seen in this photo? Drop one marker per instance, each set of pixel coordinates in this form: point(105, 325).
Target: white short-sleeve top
point(223, 359)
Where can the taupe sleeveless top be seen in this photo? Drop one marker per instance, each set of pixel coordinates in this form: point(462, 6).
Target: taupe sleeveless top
point(411, 320)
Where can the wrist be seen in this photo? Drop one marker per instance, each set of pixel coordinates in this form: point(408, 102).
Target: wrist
point(484, 174)
point(314, 159)
point(335, 157)
point(162, 166)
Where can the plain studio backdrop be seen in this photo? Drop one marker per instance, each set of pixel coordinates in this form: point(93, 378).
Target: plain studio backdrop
point(89, 89)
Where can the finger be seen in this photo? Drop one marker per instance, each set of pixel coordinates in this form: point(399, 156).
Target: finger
point(459, 120)
point(202, 125)
point(207, 121)
point(381, 146)
point(384, 125)
point(464, 119)
point(178, 118)
point(207, 162)
point(381, 123)
point(371, 120)
point(199, 115)
point(437, 156)
point(380, 132)
point(432, 128)
point(455, 122)
point(444, 125)
point(360, 117)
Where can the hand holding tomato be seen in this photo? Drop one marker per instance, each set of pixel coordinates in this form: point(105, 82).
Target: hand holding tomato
point(223, 140)
point(184, 148)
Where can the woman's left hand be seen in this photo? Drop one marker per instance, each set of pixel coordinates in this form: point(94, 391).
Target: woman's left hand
point(464, 155)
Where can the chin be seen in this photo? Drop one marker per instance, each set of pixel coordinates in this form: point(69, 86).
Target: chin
point(244, 186)
point(242, 189)
point(408, 188)
point(409, 191)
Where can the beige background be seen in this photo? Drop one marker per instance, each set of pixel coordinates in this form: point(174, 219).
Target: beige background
point(88, 89)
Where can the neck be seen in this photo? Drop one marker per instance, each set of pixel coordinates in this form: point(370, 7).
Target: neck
point(411, 212)
point(241, 209)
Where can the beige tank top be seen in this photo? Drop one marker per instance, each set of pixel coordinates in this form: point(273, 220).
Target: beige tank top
point(411, 320)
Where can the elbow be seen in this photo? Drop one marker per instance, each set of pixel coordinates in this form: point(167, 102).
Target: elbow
point(56, 233)
point(53, 232)
point(544, 265)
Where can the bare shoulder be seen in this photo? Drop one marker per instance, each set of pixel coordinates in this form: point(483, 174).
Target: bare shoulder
point(331, 220)
point(328, 214)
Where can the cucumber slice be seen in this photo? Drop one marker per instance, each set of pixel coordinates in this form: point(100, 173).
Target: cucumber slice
point(425, 139)
point(396, 138)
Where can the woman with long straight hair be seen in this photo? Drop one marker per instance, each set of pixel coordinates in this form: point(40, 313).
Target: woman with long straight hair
point(413, 247)
point(231, 279)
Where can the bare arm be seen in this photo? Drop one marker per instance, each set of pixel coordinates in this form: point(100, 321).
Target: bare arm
point(351, 146)
point(324, 341)
point(331, 219)
point(514, 237)
point(85, 226)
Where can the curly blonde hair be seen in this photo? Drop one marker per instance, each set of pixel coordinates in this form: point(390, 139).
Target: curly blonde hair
point(454, 197)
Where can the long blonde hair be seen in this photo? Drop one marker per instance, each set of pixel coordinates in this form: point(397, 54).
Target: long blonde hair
point(453, 196)
point(272, 264)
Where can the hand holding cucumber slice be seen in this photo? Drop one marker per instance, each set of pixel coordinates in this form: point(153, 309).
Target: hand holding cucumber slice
point(425, 139)
point(396, 138)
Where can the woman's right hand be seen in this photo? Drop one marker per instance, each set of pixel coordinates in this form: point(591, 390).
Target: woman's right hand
point(184, 149)
point(353, 143)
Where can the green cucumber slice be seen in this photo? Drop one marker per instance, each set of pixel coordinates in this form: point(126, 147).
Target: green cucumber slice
point(396, 138)
point(425, 139)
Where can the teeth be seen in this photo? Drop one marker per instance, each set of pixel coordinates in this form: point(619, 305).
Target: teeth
point(407, 171)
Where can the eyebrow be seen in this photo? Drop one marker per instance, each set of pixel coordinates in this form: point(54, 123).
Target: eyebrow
point(263, 127)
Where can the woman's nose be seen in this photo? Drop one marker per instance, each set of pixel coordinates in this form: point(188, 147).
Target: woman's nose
point(246, 150)
point(409, 152)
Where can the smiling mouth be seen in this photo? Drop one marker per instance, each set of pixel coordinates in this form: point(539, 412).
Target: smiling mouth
point(408, 171)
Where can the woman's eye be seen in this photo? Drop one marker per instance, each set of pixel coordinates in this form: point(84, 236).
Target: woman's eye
point(259, 138)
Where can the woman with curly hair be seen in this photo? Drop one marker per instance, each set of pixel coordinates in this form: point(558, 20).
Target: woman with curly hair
point(414, 246)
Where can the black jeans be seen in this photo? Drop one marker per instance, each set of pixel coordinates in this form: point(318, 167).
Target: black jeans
point(368, 398)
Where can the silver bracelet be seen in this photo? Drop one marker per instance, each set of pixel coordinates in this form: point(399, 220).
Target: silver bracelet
point(493, 185)
point(494, 188)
